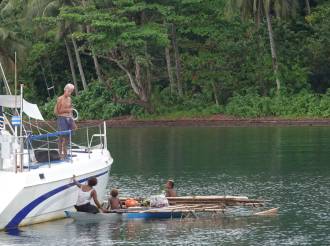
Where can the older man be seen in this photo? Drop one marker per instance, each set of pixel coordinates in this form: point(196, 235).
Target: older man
point(63, 111)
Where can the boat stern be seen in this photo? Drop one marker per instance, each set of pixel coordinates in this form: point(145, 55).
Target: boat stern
point(12, 184)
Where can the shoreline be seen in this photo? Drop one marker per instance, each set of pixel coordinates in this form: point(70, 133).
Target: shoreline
point(212, 121)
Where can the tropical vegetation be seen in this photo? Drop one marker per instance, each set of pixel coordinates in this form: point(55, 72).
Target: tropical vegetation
point(171, 58)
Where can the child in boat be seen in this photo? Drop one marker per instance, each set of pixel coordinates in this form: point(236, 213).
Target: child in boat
point(86, 193)
point(170, 191)
point(114, 201)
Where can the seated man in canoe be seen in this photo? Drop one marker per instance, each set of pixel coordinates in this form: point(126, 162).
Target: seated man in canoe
point(170, 191)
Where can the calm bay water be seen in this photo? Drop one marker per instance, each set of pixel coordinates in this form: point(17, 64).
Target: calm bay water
point(287, 165)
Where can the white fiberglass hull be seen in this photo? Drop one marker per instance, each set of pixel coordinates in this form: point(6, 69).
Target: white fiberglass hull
point(44, 193)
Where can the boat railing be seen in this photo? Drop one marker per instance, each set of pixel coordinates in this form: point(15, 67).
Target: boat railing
point(48, 142)
point(102, 135)
point(42, 149)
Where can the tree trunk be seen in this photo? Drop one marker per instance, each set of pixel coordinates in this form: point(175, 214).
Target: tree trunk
point(148, 73)
point(148, 79)
point(81, 71)
point(177, 61)
point(215, 93)
point(273, 51)
point(136, 85)
point(168, 64)
point(96, 62)
point(146, 84)
point(129, 75)
point(308, 7)
point(3, 3)
point(142, 89)
point(73, 71)
point(169, 69)
point(97, 68)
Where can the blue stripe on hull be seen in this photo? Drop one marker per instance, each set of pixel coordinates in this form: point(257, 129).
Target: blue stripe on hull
point(153, 215)
point(28, 208)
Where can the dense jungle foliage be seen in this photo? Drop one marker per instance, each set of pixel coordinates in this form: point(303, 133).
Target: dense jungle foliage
point(171, 58)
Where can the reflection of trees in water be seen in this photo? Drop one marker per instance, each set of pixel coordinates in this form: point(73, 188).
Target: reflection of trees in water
point(95, 233)
point(159, 231)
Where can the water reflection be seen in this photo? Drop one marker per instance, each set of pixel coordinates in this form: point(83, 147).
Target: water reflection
point(14, 232)
point(288, 166)
point(151, 232)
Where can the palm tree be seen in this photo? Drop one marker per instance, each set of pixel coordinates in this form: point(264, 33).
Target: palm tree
point(258, 9)
point(10, 42)
point(177, 60)
point(35, 8)
point(73, 71)
point(95, 59)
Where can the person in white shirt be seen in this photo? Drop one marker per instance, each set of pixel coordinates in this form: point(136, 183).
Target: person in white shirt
point(86, 193)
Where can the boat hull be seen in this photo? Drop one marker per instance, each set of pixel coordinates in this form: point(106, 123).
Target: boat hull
point(43, 194)
point(114, 217)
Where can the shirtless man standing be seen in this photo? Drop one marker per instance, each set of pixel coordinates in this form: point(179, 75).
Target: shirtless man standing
point(63, 111)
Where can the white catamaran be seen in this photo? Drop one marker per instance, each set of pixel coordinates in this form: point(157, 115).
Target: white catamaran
point(36, 185)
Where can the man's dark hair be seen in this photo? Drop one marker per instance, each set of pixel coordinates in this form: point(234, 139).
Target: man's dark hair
point(171, 182)
point(92, 181)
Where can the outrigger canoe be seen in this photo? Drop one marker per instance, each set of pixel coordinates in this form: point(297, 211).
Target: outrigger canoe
point(181, 207)
point(155, 213)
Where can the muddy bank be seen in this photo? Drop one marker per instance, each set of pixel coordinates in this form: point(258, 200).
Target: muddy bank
point(217, 122)
point(214, 121)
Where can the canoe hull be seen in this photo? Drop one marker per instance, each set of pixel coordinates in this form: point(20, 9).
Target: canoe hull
point(153, 215)
point(81, 216)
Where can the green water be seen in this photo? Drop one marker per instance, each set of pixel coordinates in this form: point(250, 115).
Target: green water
point(287, 165)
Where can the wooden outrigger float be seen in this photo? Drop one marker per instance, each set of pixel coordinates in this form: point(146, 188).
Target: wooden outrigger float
point(220, 200)
point(184, 207)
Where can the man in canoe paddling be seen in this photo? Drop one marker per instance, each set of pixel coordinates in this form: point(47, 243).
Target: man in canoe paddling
point(170, 191)
point(63, 111)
